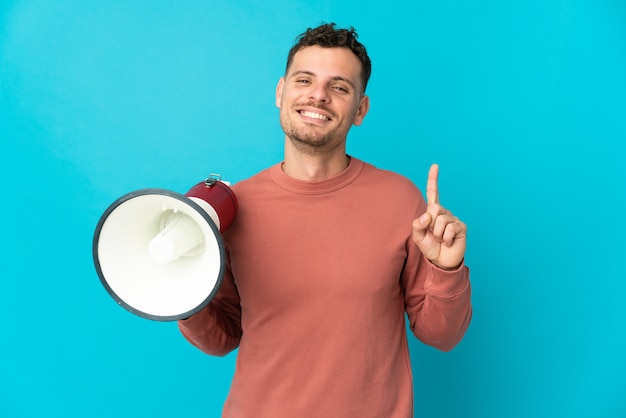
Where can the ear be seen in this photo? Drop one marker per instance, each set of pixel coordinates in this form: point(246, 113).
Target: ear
point(364, 106)
point(279, 92)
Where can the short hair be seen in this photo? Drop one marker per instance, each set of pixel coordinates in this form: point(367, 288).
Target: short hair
point(327, 36)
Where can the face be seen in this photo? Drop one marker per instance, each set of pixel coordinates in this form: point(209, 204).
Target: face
point(320, 98)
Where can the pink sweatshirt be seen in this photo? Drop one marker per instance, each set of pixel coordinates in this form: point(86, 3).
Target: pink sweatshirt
point(320, 277)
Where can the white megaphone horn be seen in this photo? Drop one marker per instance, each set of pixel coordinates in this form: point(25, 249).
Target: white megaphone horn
point(160, 254)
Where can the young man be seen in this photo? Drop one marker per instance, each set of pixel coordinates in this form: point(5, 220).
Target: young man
point(325, 257)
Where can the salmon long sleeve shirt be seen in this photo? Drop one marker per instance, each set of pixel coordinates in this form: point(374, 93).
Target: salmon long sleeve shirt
point(319, 278)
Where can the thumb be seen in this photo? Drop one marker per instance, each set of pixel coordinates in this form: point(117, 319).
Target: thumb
point(420, 227)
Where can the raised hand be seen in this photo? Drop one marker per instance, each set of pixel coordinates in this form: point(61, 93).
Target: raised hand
point(440, 236)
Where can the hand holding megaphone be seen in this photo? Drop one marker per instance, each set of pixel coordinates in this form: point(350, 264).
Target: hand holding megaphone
point(160, 254)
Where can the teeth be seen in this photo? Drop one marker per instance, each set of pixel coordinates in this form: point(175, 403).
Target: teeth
point(313, 115)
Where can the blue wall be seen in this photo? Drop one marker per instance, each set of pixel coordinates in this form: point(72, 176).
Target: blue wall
point(522, 103)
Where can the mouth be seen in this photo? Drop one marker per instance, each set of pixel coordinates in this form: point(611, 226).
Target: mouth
point(313, 115)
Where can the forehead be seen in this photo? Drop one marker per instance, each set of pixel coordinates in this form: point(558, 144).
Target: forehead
point(327, 62)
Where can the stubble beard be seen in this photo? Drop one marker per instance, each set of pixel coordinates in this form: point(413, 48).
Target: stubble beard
point(307, 141)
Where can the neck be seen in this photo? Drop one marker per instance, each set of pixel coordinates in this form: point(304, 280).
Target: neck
point(314, 167)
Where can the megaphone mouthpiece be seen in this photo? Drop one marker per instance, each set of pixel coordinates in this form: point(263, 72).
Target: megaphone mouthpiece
point(180, 236)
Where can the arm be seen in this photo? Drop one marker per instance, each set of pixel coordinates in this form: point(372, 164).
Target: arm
point(436, 281)
point(437, 301)
point(216, 329)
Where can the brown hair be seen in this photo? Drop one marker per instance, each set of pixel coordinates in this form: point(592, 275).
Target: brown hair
point(327, 36)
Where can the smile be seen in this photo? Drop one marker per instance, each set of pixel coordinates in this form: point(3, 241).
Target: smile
point(313, 115)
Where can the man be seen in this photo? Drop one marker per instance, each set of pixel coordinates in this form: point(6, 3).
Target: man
point(325, 257)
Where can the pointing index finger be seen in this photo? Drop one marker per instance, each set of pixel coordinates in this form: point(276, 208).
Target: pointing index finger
point(432, 189)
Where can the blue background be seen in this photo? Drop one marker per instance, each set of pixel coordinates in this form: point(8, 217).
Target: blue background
point(522, 103)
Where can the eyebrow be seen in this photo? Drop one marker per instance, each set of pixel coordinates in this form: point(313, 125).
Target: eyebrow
point(336, 78)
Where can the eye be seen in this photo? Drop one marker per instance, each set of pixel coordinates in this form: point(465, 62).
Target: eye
point(340, 89)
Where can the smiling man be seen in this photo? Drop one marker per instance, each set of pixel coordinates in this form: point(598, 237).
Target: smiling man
point(320, 98)
point(327, 255)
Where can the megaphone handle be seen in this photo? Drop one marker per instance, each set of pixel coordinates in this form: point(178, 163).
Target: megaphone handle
point(212, 179)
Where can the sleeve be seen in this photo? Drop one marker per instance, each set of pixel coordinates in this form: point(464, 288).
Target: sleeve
point(216, 329)
point(437, 302)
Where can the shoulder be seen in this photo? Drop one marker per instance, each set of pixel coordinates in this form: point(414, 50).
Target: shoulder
point(391, 190)
point(390, 180)
point(256, 182)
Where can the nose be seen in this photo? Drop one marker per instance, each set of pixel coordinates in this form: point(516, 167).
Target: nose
point(319, 93)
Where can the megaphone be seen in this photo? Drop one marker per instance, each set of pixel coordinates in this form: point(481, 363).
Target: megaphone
point(159, 254)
